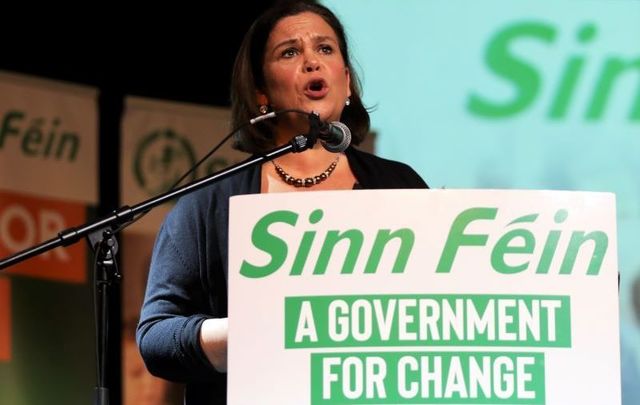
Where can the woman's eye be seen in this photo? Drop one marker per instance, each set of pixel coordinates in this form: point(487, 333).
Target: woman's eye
point(289, 52)
point(326, 49)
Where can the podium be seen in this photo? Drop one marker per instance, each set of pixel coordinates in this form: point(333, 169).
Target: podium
point(423, 296)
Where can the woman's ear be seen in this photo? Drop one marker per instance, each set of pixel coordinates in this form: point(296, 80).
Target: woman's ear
point(261, 98)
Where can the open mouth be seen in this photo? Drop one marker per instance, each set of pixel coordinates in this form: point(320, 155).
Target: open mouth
point(316, 89)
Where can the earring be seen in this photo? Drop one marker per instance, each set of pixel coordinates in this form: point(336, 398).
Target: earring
point(347, 102)
point(263, 109)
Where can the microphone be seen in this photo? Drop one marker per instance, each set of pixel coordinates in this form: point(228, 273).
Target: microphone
point(334, 136)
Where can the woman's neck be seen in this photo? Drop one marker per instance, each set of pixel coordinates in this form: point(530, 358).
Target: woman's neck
point(311, 161)
point(331, 168)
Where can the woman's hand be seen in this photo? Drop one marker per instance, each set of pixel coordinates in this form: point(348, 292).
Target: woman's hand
point(213, 340)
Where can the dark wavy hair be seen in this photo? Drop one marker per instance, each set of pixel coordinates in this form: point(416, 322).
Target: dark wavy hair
point(248, 77)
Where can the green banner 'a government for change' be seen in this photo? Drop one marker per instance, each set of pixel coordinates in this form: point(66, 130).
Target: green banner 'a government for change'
point(429, 296)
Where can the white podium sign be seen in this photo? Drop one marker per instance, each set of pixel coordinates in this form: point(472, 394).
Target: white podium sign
point(423, 297)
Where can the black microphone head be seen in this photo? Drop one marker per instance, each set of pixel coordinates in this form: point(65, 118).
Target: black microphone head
point(339, 139)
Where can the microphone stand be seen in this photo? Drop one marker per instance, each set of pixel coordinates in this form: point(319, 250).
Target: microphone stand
point(100, 234)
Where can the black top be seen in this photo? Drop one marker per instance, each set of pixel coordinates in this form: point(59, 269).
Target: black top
point(188, 277)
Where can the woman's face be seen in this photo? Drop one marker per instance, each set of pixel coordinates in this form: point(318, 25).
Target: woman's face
point(304, 68)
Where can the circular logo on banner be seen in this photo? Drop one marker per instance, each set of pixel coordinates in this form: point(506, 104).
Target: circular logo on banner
point(161, 158)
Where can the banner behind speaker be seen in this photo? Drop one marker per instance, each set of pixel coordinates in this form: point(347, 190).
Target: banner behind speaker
point(48, 182)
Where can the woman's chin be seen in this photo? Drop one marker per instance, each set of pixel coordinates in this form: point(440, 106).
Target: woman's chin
point(325, 113)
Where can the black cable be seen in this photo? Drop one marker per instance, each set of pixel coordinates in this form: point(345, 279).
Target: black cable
point(253, 121)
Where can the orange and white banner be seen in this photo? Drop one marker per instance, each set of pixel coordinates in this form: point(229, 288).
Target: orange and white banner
point(26, 221)
point(48, 182)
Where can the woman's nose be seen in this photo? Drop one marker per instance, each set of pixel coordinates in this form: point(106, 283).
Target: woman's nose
point(311, 64)
point(311, 67)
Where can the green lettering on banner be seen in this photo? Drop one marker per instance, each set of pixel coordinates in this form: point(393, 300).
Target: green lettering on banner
point(384, 236)
point(578, 239)
point(512, 253)
point(38, 139)
point(427, 377)
point(570, 76)
point(354, 238)
point(275, 247)
point(400, 241)
point(522, 75)
point(611, 71)
point(521, 243)
point(7, 127)
point(458, 238)
point(526, 78)
point(427, 320)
